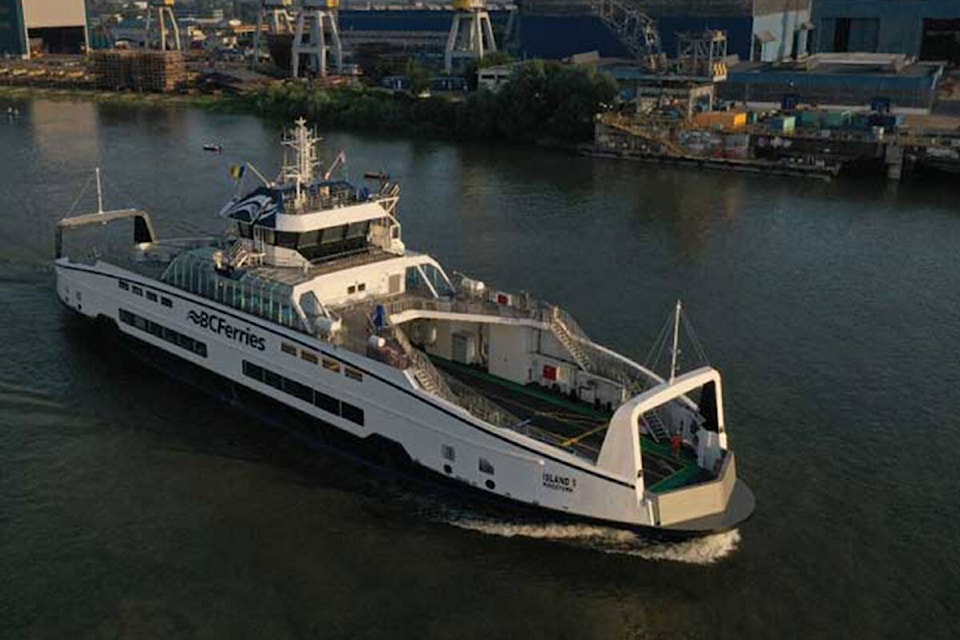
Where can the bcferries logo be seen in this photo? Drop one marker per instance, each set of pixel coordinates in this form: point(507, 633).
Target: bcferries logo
point(559, 483)
point(220, 326)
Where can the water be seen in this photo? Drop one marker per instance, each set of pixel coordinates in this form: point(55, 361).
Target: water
point(131, 506)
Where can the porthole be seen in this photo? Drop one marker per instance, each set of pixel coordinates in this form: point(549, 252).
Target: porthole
point(447, 469)
point(490, 484)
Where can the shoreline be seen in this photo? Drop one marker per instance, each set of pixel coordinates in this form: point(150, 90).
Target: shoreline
point(13, 92)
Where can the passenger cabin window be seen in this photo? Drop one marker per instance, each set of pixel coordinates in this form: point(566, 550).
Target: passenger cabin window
point(351, 413)
point(151, 296)
point(351, 290)
point(326, 403)
point(331, 365)
point(288, 348)
point(167, 302)
point(123, 285)
point(485, 466)
point(309, 356)
point(137, 291)
point(362, 286)
point(322, 401)
point(164, 333)
point(353, 374)
point(448, 453)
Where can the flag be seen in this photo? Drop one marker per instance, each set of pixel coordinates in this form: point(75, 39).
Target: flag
point(236, 171)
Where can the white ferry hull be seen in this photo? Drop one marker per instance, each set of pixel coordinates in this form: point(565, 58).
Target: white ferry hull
point(385, 404)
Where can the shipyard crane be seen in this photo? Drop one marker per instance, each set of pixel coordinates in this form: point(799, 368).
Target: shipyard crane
point(635, 29)
point(159, 31)
point(471, 33)
point(273, 15)
point(315, 37)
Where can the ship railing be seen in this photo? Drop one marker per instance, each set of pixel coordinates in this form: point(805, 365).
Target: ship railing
point(603, 361)
point(451, 389)
point(167, 250)
point(591, 356)
point(313, 203)
point(570, 445)
point(459, 304)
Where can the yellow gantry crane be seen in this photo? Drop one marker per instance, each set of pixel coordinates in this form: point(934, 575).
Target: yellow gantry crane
point(471, 33)
point(168, 37)
point(315, 37)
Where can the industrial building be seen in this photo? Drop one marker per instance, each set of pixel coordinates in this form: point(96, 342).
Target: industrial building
point(853, 81)
point(925, 29)
point(759, 30)
point(42, 26)
point(762, 30)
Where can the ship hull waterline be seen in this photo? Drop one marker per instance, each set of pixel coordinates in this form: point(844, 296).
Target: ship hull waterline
point(387, 457)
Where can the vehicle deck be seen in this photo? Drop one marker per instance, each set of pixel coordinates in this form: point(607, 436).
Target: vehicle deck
point(575, 426)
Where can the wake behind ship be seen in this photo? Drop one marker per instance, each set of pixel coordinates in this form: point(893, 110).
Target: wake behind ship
point(314, 303)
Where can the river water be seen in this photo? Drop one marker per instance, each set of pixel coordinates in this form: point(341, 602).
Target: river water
point(132, 506)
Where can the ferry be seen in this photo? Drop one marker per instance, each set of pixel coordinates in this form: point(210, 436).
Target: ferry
point(312, 306)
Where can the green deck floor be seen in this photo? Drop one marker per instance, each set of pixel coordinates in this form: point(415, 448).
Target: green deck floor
point(686, 473)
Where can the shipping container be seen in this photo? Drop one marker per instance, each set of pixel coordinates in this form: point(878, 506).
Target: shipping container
point(836, 119)
point(722, 120)
point(808, 119)
point(782, 124)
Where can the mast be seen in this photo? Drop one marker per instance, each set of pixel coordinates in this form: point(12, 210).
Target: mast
point(99, 193)
point(302, 170)
point(676, 342)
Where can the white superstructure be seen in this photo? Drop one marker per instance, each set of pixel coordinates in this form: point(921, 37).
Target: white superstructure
point(316, 304)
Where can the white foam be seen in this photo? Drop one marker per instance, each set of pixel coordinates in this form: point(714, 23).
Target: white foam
point(702, 551)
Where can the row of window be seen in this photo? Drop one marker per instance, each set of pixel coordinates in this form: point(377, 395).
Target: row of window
point(327, 363)
point(150, 295)
point(319, 399)
point(164, 333)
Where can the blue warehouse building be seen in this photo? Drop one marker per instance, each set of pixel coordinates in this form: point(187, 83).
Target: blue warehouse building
point(925, 29)
point(13, 34)
point(760, 30)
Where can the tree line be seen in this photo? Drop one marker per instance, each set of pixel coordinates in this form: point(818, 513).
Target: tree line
point(542, 101)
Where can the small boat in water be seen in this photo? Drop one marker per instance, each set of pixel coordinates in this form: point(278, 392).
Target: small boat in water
point(316, 310)
point(213, 147)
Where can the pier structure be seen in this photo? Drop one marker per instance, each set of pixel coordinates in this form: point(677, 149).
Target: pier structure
point(273, 17)
point(161, 27)
point(471, 33)
point(726, 142)
point(316, 36)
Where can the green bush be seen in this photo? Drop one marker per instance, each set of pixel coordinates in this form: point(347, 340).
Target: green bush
point(542, 100)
